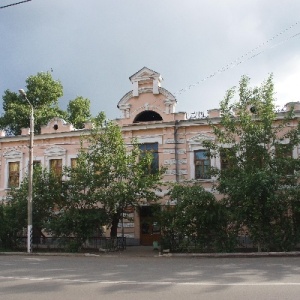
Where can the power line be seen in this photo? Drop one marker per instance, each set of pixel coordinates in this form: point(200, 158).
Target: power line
point(244, 58)
point(14, 4)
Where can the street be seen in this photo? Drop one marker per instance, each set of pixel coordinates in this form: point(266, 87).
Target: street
point(113, 276)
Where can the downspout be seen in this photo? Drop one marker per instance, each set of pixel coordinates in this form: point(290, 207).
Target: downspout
point(176, 150)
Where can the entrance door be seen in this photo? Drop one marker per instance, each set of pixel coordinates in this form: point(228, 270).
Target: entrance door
point(150, 229)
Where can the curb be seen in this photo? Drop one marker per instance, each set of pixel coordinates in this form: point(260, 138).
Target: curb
point(162, 254)
point(233, 255)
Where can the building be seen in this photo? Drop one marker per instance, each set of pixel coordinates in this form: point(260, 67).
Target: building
point(149, 116)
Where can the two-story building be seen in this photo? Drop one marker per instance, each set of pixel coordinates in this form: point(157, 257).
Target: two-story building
point(149, 116)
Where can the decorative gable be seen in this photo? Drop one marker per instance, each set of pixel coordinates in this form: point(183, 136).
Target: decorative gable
point(57, 125)
point(145, 78)
point(144, 74)
point(148, 101)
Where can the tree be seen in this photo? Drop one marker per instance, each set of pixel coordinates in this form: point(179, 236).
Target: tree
point(45, 189)
point(260, 180)
point(76, 213)
point(43, 93)
point(79, 112)
point(10, 228)
point(197, 220)
point(118, 177)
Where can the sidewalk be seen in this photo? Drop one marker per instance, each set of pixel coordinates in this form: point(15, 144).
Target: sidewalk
point(147, 251)
point(134, 251)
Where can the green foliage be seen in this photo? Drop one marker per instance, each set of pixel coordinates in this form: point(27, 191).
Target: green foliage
point(14, 211)
point(76, 225)
point(198, 222)
point(77, 214)
point(9, 226)
point(43, 93)
point(117, 177)
point(106, 179)
point(79, 112)
point(260, 183)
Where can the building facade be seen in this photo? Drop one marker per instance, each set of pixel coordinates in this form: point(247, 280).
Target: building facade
point(149, 116)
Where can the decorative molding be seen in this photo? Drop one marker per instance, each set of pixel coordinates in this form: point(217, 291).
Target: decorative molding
point(169, 161)
point(13, 154)
point(145, 73)
point(125, 98)
point(173, 161)
point(126, 225)
point(170, 98)
point(172, 151)
point(172, 141)
point(170, 172)
point(183, 172)
point(200, 138)
point(173, 172)
point(55, 151)
point(149, 139)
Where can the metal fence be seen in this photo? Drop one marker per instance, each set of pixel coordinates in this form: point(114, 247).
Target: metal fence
point(102, 244)
point(242, 243)
point(210, 244)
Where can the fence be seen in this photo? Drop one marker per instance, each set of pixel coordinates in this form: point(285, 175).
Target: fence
point(70, 244)
point(209, 244)
point(242, 243)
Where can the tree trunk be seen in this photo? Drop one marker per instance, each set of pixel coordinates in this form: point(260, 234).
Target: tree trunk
point(114, 225)
point(258, 247)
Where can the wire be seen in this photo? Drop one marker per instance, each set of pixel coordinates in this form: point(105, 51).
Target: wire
point(238, 61)
point(243, 58)
point(14, 4)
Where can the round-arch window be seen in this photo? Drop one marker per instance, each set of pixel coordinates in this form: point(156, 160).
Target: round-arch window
point(147, 116)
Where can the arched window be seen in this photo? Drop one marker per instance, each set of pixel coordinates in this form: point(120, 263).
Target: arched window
point(147, 116)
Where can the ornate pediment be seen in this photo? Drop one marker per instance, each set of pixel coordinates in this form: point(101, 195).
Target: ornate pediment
point(200, 138)
point(55, 151)
point(145, 74)
point(12, 154)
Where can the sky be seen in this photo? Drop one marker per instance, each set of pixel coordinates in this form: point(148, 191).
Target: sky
point(201, 48)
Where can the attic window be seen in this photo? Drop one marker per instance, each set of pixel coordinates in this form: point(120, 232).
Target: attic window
point(147, 116)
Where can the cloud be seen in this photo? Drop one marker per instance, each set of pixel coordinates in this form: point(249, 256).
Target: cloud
point(287, 85)
point(94, 46)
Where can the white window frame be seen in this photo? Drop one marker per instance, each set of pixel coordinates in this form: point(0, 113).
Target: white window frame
point(196, 143)
point(13, 156)
point(55, 152)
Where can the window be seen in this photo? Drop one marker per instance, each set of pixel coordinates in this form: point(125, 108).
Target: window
point(56, 166)
point(13, 174)
point(226, 158)
point(256, 157)
point(284, 155)
point(73, 163)
point(283, 151)
point(153, 149)
point(36, 164)
point(202, 164)
point(147, 116)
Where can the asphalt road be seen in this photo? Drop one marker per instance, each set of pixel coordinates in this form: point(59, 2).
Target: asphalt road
point(125, 277)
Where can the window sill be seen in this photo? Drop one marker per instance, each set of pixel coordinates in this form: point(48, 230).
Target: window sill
point(204, 180)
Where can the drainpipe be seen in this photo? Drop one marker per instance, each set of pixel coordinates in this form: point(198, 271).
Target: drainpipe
point(176, 150)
